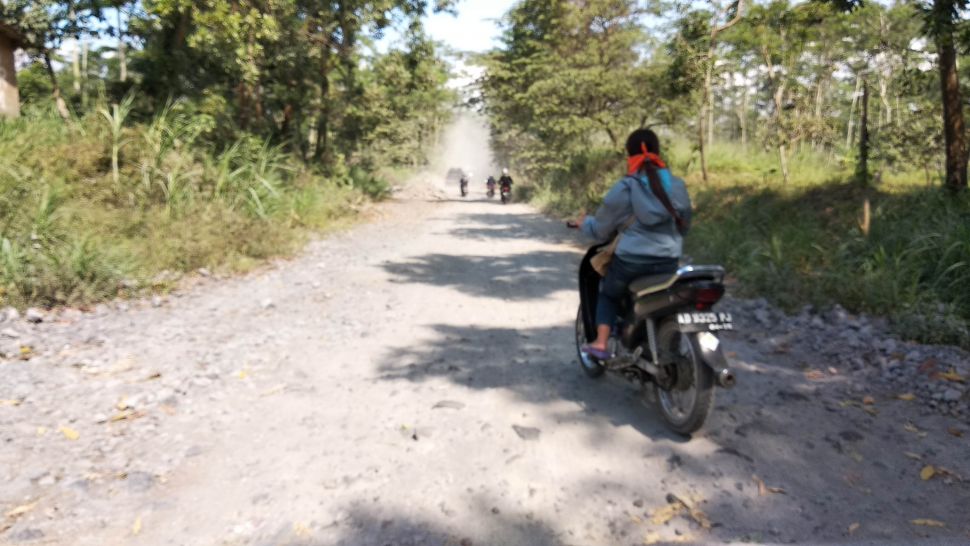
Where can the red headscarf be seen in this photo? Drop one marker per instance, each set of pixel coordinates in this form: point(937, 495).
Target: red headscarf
point(635, 162)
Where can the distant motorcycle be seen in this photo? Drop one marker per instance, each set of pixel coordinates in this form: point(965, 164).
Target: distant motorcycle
point(490, 187)
point(666, 339)
point(506, 194)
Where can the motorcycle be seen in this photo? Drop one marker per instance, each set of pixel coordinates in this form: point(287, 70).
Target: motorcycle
point(464, 187)
point(666, 339)
point(490, 189)
point(506, 194)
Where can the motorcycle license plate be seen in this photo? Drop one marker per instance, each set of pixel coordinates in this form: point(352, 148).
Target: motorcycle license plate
point(705, 322)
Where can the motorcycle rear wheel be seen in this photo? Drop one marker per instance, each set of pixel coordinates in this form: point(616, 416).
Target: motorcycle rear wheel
point(684, 409)
point(590, 366)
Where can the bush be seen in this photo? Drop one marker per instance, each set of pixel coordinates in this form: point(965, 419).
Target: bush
point(79, 227)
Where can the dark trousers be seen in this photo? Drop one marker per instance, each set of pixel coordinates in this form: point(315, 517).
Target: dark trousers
point(613, 287)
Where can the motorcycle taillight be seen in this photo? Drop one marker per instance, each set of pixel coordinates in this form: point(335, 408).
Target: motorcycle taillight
point(704, 298)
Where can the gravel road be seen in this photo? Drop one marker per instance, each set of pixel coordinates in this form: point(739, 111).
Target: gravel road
point(413, 381)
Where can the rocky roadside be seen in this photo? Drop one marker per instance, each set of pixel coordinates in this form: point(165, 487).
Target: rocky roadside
point(934, 376)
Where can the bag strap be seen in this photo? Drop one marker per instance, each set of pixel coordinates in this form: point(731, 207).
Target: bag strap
point(658, 190)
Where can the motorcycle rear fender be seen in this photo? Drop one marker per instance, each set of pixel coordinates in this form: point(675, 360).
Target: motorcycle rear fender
point(711, 350)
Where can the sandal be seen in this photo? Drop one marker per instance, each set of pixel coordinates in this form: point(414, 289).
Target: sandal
point(598, 354)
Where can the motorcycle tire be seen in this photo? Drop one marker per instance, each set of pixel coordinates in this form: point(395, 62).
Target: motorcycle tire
point(684, 410)
point(590, 366)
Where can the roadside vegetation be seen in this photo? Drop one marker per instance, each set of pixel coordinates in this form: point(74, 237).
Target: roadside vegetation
point(812, 140)
point(208, 136)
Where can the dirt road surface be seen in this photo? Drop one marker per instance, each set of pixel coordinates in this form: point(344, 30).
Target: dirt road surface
point(413, 381)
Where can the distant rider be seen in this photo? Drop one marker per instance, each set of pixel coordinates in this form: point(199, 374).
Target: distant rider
point(505, 182)
point(652, 244)
point(490, 185)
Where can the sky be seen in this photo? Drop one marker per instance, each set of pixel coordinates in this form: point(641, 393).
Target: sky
point(474, 29)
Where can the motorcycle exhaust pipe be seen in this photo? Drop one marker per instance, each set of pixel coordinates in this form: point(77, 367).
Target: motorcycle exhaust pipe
point(726, 379)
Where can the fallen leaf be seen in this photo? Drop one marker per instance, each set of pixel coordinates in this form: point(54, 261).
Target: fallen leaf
point(242, 374)
point(12, 403)
point(660, 516)
point(695, 513)
point(154, 376)
point(908, 397)
point(954, 431)
point(914, 456)
point(128, 414)
point(762, 488)
point(136, 527)
point(26, 351)
point(853, 528)
point(275, 390)
point(301, 530)
point(927, 472)
point(951, 375)
point(122, 404)
point(21, 510)
point(814, 375)
point(910, 427)
point(928, 522)
point(868, 401)
point(833, 371)
point(69, 433)
point(41, 431)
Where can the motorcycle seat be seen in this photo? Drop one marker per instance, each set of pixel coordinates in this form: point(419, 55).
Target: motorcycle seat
point(651, 284)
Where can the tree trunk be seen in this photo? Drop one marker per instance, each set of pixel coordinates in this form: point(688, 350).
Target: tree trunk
point(56, 93)
point(862, 168)
point(855, 99)
point(953, 127)
point(709, 94)
point(122, 58)
point(76, 65)
point(85, 47)
point(700, 145)
point(9, 94)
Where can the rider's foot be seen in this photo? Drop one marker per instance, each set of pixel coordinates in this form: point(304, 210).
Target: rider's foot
point(596, 352)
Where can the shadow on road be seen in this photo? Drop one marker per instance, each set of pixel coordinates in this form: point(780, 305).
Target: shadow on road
point(519, 225)
point(536, 364)
point(367, 528)
point(535, 275)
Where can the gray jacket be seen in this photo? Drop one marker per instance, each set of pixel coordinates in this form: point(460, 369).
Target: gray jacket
point(654, 236)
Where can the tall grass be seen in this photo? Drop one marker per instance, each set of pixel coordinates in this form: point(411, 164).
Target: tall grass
point(99, 206)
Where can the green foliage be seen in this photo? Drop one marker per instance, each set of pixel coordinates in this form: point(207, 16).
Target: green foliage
point(806, 244)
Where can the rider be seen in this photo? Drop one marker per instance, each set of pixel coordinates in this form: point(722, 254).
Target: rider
point(490, 183)
point(652, 244)
point(465, 176)
point(505, 182)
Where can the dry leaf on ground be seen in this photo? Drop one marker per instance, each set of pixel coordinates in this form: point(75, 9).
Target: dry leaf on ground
point(927, 472)
point(914, 456)
point(853, 528)
point(764, 489)
point(13, 403)
point(814, 375)
point(21, 510)
point(954, 431)
point(69, 433)
point(136, 527)
point(868, 400)
point(908, 397)
point(951, 375)
point(928, 522)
